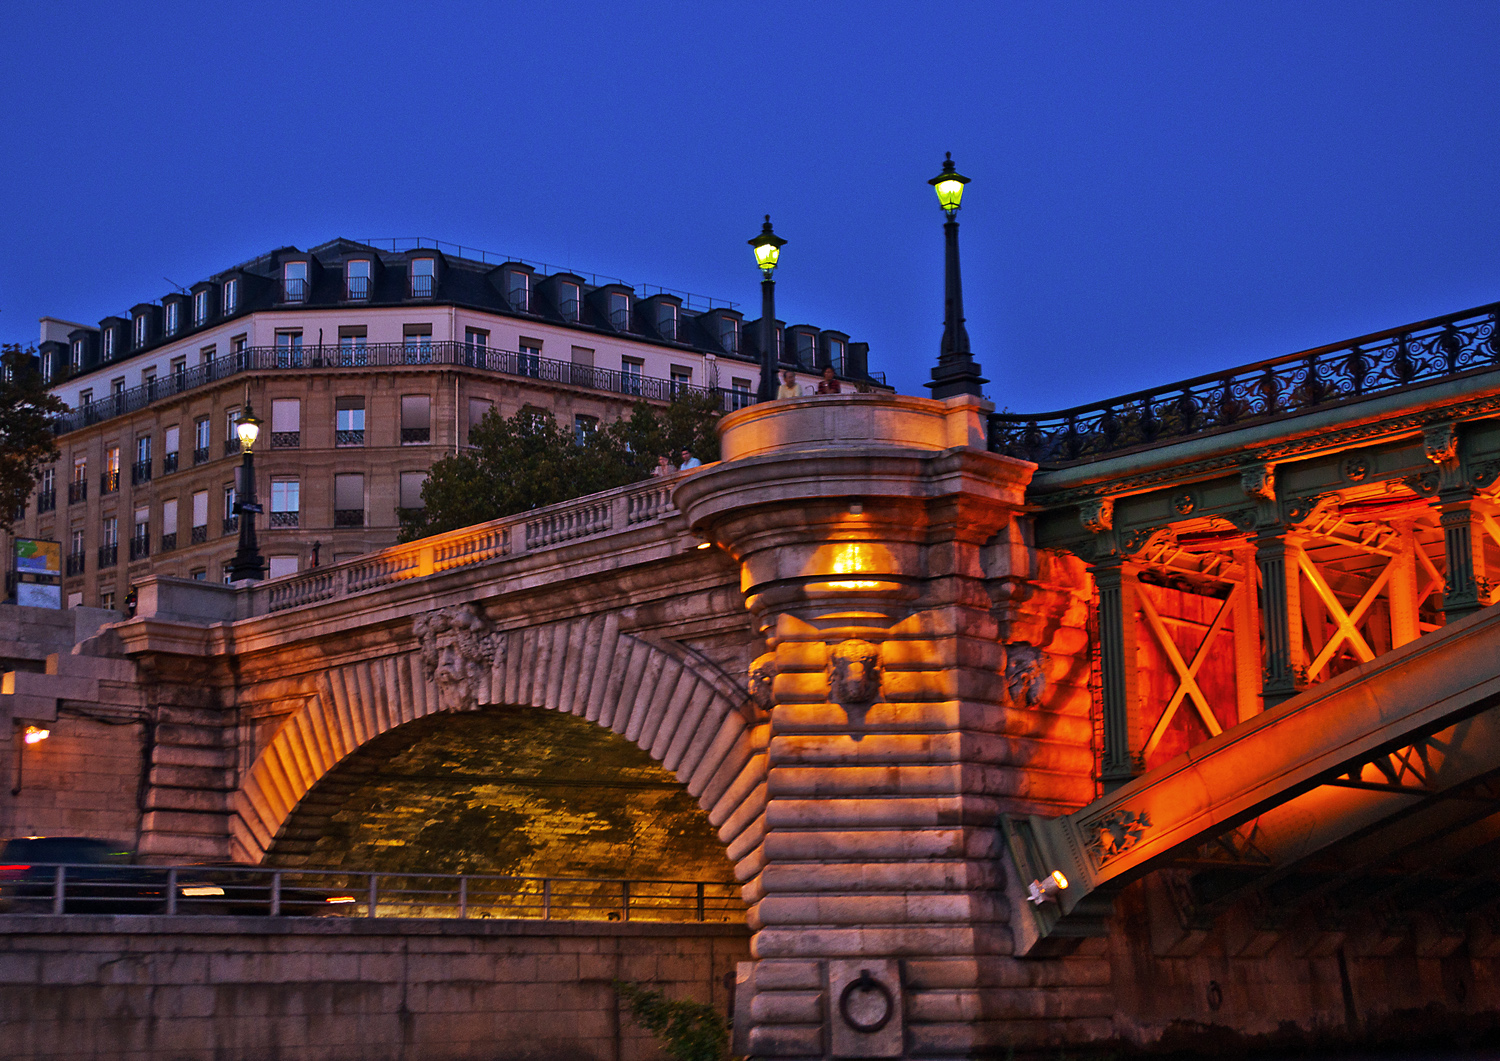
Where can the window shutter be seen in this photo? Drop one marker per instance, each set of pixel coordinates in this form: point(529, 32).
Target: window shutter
point(286, 414)
point(349, 492)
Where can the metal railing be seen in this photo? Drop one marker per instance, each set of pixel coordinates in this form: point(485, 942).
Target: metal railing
point(254, 891)
point(109, 555)
point(169, 463)
point(1443, 347)
point(75, 564)
point(78, 490)
point(609, 511)
point(140, 472)
point(377, 355)
point(169, 542)
point(46, 500)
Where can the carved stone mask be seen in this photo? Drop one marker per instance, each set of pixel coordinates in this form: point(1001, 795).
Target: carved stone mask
point(762, 675)
point(1025, 674)
point(854, 672)
point(455, 651)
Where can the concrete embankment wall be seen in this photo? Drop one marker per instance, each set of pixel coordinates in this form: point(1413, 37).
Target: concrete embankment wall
point(112, 988)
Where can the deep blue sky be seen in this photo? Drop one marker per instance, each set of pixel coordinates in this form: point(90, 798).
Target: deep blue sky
point(1159, 189)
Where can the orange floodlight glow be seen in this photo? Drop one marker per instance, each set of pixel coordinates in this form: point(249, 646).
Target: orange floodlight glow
point(1039, 891)
point(35, 734)
point(852, 559)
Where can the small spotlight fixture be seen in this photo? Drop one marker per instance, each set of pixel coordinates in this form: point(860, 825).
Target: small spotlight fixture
point(1039, 891)
point(35, 734)
point(705, 545)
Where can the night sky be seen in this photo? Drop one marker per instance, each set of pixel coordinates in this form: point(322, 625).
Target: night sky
point(1159, 190)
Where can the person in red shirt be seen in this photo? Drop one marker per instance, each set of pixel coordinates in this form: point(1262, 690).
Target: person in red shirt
point(829, 384)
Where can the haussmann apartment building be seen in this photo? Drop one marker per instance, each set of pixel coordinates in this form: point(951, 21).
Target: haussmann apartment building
point(365, 363)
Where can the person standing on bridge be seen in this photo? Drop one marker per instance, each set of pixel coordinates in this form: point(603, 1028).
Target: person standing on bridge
point(829, 384)
point(662, 467)
point(788, 388)
point(689, 461)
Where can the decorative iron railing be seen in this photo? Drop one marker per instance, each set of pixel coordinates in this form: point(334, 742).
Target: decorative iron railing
point(1435, 349)
point(442, 352)
point(586, 517)
point(257, 891)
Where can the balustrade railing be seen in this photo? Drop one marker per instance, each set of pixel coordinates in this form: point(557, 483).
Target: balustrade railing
point(586, 517)
point(255, 891)
point(1435, 349)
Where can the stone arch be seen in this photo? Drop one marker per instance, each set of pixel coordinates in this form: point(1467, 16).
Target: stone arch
point(675, 705)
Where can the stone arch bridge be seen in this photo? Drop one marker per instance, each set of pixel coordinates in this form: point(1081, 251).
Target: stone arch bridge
point(1220, 654)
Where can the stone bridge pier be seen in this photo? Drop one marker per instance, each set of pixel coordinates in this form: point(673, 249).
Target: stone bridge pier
point(920, 678)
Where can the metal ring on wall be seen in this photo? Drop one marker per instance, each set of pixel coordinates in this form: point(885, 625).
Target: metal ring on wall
point(866, 982)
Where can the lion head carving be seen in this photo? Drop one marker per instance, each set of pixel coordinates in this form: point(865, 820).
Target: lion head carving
point(854, 672)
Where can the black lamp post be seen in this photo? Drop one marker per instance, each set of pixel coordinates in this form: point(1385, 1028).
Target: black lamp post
point(767, 250)
point(956, 372)
point(247, 563)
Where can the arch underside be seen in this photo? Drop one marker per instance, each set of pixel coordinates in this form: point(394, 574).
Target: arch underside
point(679, 709)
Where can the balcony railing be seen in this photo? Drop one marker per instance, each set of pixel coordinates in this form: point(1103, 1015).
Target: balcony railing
point(349, 438)
point(359, 289)
point(348, 517)
point(169, 542)
point(415, 436)
point(381, 355)
point(231, 446)
point(109, 555)
point(285, 519)
point(46, 501)
point(286, 439)
point(1458, 344)
point(78, 490)
point(140, 547)
point(74, 564)
point(198, 535)
point(168, 463)
point(231, 524)
point(200, 455)
point(109, 482)
point(294, 289)
point(140, 472)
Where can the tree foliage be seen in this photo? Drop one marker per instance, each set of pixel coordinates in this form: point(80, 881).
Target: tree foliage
point(26, 439)
point(688, 1031)
point(518, 463)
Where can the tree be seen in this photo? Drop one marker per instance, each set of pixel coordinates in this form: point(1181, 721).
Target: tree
point(26, 439)
point(525, 461)
point(688, 1031)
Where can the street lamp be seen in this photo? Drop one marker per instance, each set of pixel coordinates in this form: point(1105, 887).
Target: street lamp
point(767, 247)
point(247, 563)
point(956, 372)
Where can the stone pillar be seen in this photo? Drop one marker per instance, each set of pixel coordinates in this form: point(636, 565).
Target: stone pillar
point(1285, 673)
point(894, 744)
point(1466, 588)
point(1119, 667)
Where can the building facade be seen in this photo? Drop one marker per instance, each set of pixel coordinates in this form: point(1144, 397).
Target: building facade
point(365, 364)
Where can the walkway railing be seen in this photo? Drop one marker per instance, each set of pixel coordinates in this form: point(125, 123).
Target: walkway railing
point(252, 891)
point(1385, 361)
point(607, 512)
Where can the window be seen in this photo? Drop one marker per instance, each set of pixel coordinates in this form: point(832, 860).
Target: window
point(140, 331)
point(357, 279)
point(423, 271)
point(582, 370)
point(170, 443)
point(231, 516)
point(349, 500)
point(143, 448)
point(418, 340)
point(231, 296)
point(109, 542)
point(530, 361)
point(107, 598)
point(75, 552)
point(111, 532)
point(682, 379)
point(109, 343)
point(179, 373)
point(619, 311)
point(47, 367)
point(140, 539)
point(289, 349)
point(170, 313)
point(169, 525)
point(78, 486)
point(140, 471)
point(739, 393)
point(584, 427)
point(630, 375)
point(109, 479)
point(416, 419)
point(237, 344)
point(148, 380)
point(200, 517)
point(411, 489)
point(86, 398)
point(293, 282)
point(75, 356)
point(567, 300)
point(286, 423)
point(476, 342)
point(117, 387)
point(199, 574)
point(352, 345)
point(286, 503)
point(200, 440)
point(206, 355)
point(479, 408)
point(729, 335)
point(666, 320)
point(836, 354)
point(46, 493)
point(231, 436)
point(200, 308)
point(281, 565)
point(807, 349)
point(349, 422)
point(518, 291)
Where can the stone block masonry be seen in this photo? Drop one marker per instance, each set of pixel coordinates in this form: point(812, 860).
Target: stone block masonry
point(247, 989)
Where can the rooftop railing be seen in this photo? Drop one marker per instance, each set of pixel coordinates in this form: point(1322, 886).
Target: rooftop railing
point(1384, 362)
point(255, 891)
point(374, 355)
point(607, 512)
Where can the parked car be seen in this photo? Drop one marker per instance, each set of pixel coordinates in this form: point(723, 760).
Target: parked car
point(99, 879)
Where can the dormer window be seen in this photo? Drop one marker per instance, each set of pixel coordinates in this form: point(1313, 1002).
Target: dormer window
point(294, 282)
point(170, 317)
point(140, 331)
point(109, 343)
point(807, 349)
point(567, 301)
point(729, 335)
point(200, 308)
point(47, 368)
point(666, 320)
point(619, 311)
point(232, 296)
point(423, 272)
point(836, 354)
point(75, 356)
point(357, 279)
point(518, 291)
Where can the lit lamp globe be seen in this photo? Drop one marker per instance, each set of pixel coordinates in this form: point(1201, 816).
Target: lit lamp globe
point(949, 186)
point(248, 429)
point(767, 247)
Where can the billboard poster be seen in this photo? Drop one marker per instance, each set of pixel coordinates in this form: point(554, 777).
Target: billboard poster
point(38, 595)
point(35, 557)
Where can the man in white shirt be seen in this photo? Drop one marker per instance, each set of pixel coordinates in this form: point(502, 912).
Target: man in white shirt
point(689, 461)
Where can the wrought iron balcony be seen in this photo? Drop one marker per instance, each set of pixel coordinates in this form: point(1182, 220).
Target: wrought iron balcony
point(199, 535)
point(348, 517)
point(109, 555)
point(169, 463)
point(78, 490)
point(349, 438)
point(286, 439)
point(200, 455)
point(231, 524)
point(46, 501)
point(416, 436)
point(140, 472)
point(74, 564)
point(168, 542)
point(140, 547)
point(1458, 344)
point(231, 446)
point(358, 289)
point(285, 519)
point(294, 289)
point(109, 482)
